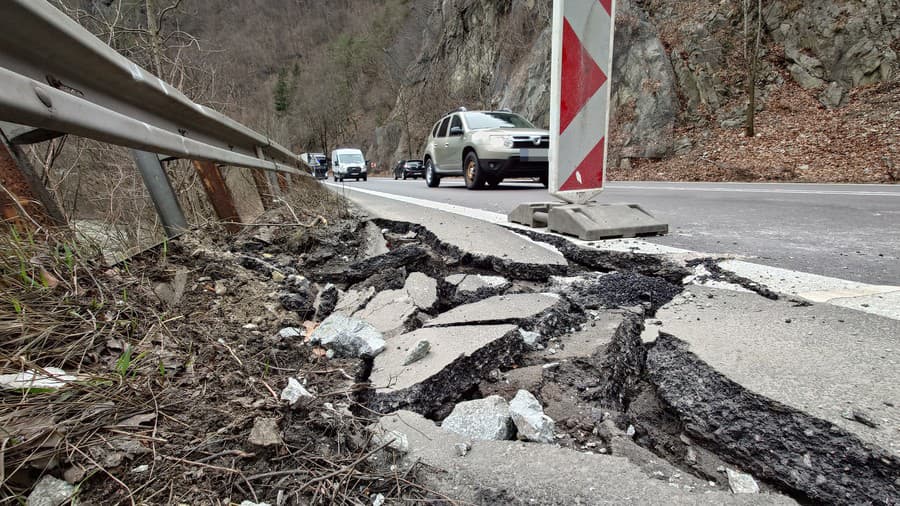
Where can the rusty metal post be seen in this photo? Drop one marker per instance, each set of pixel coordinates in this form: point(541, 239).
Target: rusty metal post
point(272, 178)
point(23, 191)
point(262, 187)
point(218, 193)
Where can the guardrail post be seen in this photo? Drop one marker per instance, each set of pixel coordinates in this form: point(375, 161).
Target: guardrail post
point(262, 187)
point(218, 193)
point(157, 182)
point(23, 190)
point(272, 178)
point(283, 182)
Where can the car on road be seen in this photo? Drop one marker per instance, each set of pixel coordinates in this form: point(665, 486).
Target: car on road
point(486, 147)
point(317, 163)
point(347, 163)
point(409, 168)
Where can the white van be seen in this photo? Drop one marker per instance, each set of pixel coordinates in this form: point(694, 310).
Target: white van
point(348, 163)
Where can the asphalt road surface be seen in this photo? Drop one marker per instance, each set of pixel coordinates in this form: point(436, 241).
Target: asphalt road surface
point(844, 231)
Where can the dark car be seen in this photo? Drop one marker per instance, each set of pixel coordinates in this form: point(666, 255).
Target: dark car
point(409, 168)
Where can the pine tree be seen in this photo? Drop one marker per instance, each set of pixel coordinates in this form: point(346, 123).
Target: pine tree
point(282, 92)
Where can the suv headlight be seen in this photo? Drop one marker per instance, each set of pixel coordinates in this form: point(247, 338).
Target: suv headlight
point(501, 141)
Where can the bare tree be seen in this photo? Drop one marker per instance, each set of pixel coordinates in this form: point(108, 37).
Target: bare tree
point(754, 63)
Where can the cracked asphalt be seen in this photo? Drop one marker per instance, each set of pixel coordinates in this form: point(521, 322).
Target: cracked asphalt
point(843, 231)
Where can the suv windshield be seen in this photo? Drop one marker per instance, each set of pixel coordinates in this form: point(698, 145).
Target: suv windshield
point(351, 158)
point(414, 163)
point(481, 120)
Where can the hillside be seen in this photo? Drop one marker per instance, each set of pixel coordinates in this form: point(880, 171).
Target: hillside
point(377, 74)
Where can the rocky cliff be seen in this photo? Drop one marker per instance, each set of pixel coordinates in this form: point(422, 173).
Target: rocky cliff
point(680, 71)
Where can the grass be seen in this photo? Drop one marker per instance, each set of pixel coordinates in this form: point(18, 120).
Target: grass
point(57, 314)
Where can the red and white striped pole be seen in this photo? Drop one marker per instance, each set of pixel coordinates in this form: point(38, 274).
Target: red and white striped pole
point(579, 93)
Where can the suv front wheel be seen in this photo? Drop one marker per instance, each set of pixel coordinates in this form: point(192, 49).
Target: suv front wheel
point(472, 172)
point(431, 179)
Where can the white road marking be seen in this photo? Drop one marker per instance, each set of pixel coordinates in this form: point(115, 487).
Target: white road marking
point(878, 299)
point(757, 190)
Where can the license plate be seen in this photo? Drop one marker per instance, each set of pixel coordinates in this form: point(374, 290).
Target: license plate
point(533, 155)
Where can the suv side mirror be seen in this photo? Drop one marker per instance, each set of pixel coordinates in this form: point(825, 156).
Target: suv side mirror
point(454, 131)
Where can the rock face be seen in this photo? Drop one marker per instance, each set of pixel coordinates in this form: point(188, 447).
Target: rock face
point(485, 419)
point(847, 43)
point(644, 98)
point(348, 337)
point(531, 422)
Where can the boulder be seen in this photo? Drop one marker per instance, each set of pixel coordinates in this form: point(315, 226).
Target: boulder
point(486, 419)
point(348, 337)
point(528, 416)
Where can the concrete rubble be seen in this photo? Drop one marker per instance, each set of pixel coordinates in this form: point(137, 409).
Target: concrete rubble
point(485, 419)
point(294, 392)
point(741, 483)
point(50, 491)
point(348, 337)
point(458, 344)
point(265, 432)
point(417, 352)
point(528, 416)
point(512, 472)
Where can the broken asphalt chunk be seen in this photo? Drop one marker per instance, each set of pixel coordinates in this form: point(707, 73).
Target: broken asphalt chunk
point(458, 359)
point(348, 337)
point(510, 472)
point(513, 308)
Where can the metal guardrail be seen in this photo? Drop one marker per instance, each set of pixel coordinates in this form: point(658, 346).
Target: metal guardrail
point(56, 75)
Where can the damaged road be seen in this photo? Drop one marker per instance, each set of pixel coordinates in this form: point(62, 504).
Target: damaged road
point(655, 403)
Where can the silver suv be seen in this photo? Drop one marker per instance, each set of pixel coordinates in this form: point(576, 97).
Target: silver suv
point(485, 147)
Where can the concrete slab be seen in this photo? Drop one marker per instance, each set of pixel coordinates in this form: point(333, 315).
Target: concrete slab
point(501, 308)
point(823, 360)
point(593, 221)
point(511, 252)
point(511, 472)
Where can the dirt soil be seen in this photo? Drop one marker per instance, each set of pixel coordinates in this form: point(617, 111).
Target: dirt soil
point(797, 140)
point(163, 413)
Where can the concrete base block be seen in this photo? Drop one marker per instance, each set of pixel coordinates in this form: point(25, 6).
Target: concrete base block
point(592, 221)
point(532, 214)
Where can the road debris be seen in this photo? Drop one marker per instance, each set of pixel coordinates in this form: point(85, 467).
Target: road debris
point(486, 419)
point(531, 422)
